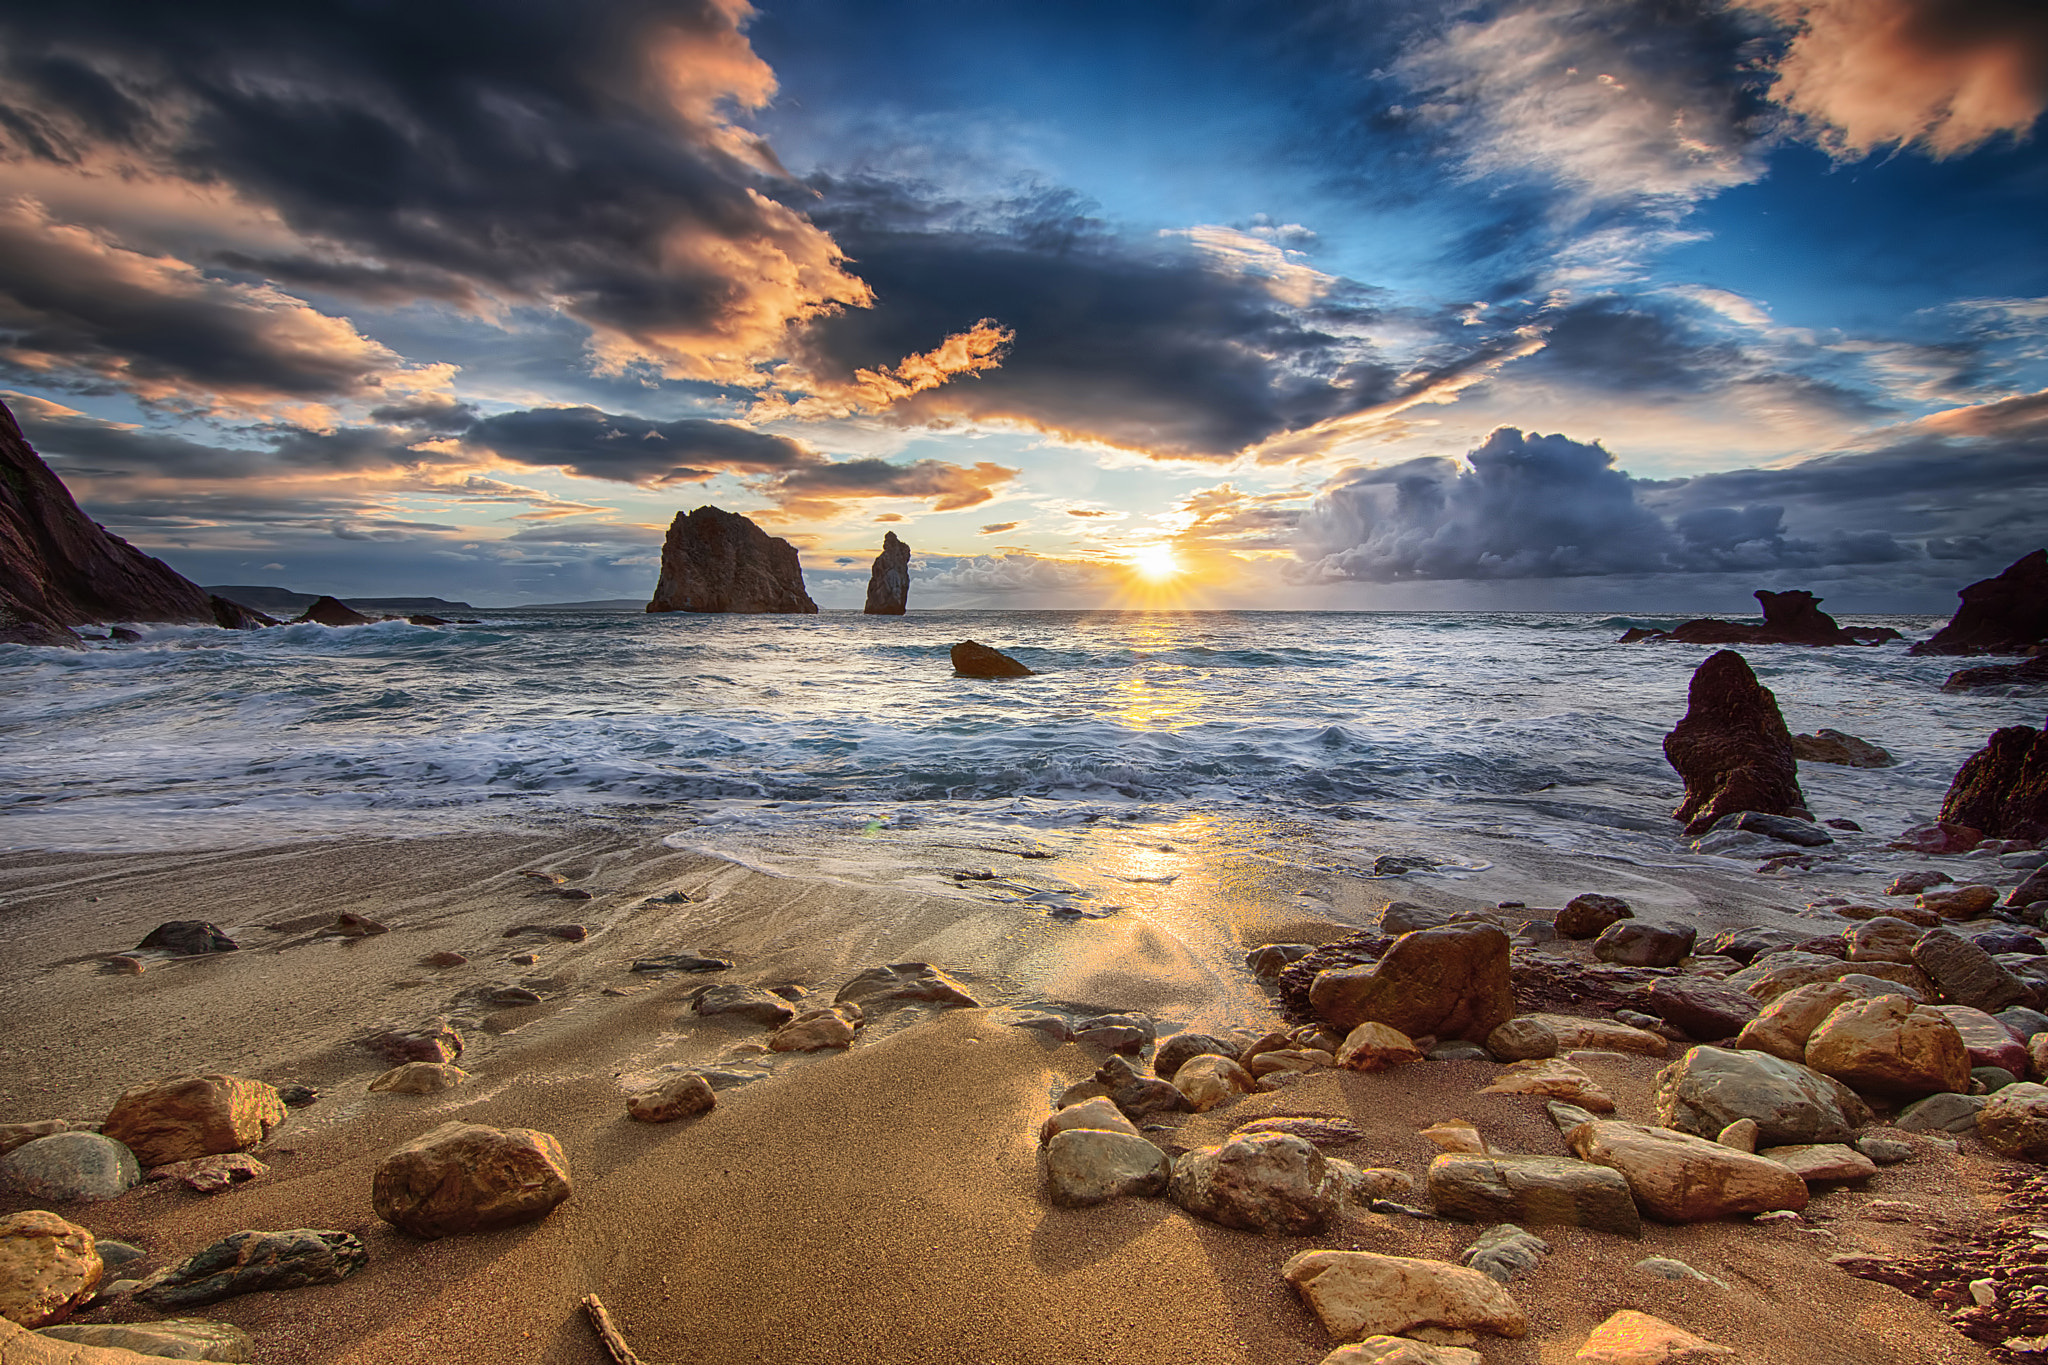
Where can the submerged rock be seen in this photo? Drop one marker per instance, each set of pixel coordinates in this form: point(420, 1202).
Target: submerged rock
point(2003, 615)
point(1790, 618)
point(328, 611)
point(718, 561)
point(1847, 751)
point(972, 659)
point(889, 580)
point(1732, 748)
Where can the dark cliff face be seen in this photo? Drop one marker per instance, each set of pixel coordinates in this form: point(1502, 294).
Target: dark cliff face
point(2003, 615)
point(714, 560)
point(889, 583)
point(59, 568)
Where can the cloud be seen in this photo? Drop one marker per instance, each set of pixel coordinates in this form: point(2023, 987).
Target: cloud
point(1004, 574)
point(1941, 75)
point(978, 349)
point(604, 445)
point(996, 528)
point(818, 490)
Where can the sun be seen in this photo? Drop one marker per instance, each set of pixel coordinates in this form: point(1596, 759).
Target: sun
point(1155, 563)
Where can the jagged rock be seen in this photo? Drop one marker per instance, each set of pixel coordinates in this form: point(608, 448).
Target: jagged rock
point(327, 611)
point(1966, 974)
point(719, 561)
point(48, 1266)
point(1586, 916)
point(905, 983)
point(2003, 615)
point(246, 1262)
point(1477, 1188)
point(1732, 747)
point(2014, 1122)
point(1266, 1182)
point(1710, 1088)
point(193, 1116)
point(1179, 1049)
point(681, 1096)
point(1208, 1081)
point(211, 1174)
point(420, 1078)
point(1086, 1166)
point(889, 580)
point(1639, 943)
point(1847, 751)
point(750, 1003)
point(1506, 1252)
point(66, 1168)
point(1890, 1047)
point(1703, 1009)
point(972, 659)
point(1362, 1294)
point(1790, 618)
point(1821, 1162)
point(1679, 1178)
point(463, 1177)
point(1633, 1338)
point(1452, 982)
point(166, 1339)
point(2002, 789)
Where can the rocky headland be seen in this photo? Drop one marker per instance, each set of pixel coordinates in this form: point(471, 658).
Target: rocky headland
point(719, 561)
point(2003, 615)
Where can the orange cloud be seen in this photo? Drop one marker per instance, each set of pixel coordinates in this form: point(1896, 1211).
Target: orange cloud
point(981, 347)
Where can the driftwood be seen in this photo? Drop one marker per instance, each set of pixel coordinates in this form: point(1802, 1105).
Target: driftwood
point(614, 1342)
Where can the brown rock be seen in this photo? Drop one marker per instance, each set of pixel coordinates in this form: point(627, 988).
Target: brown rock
point(1604, 1035)
point(1989, 1042)
point(1362, 1294)
point(1098, 1114)
point(814, 1030)
point(1891, 1047)
point(1822, 1162)
point(2003, 615)
point(1963, 902)
point(1586, 916)
point(212, 1174)
point(889, 579)
point(437, 1044)
point(1679, 1178)
point(1267, 1182)
point(443, 960)
point(463, 1178)
point(2014, 1123)
point(1706, 1010)
point(193, 1116)
point(1633, 1338)
point(1966, 974)
point(1883, 939)
point(905, 983)
point(681, 1096)
point(1772, 976)
point(14, 1135)
point(1555, 1078)
point(1481, 1188)
point(2002, 789)
point(1732, 747)
point(719, 561)
point(1913, 883)
point(420, 1078)
point(1790, 1019)
point(48, 1268)
point(1451, 982)
point(1209, 1080)
point(1377, 1047)
point(1525, 1038)
point(1847, 751)
point(972, 659)
point(328, 611)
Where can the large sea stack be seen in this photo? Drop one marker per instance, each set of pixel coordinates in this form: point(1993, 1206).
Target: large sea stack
point(2003, 615)
point(1732, 748)
point(889, 583)
point(59, 568)
point(2002, 789)
point(1790, 618)
point(715, 560)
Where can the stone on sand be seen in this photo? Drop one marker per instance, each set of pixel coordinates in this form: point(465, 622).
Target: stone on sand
point(815, 1030)
point(462, 1178)
point(420, 1078)
point(1704, 1009)
point(1556, 1078)
point(1639, 943)
point(1272, 1183)
point(907, 983)
point(1388, 1350)
point(1890, 1047)
point(66, 1168)
point(188, 938)
point(1451, 982)
point(165, 1339)
point(248, 1262)
point(1362, 1294)
point(1208, 1081)
point(1679, 1178)
point(1785, 1024)
point(1588, 915)
point(48, 1268)
point(1504, 1252)
point(1821, 1162)
point(1525, 1038)
point(1377, 1047)
point(193, 1116)
point(1602, 1035)
point(1943, 1113)
point(1709, 1088)
point(1086, 1166)
point(436, 1044)
point(680, 1096)
point(1177, 1050)
point(1127, 1032)
point(2014, 1122)
point(1532, 1189)
point(1633, 1338)
point(211, 1174)
point(750, 1003)
point(1101, 1115)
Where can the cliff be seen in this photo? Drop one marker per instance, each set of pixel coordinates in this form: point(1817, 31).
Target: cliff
point(714, 560)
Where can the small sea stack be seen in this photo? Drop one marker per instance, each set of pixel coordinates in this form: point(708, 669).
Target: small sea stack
point(974, 660)
point(889, 582)
point(2003, 615)
point(719, 561)
point(329, 611)
point(1733, 748)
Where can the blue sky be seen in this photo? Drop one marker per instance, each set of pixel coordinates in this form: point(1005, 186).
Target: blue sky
point(1577, 303)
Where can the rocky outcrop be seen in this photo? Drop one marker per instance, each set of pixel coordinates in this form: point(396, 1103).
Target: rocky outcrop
point(2002, 789)
point(1732, 747)
point(972, 659)
point(59, 568)
point(1790, 618)
point(2003, 615)
point(463, 1178)
point(193, 1116)
point(889, 581)
point(719, 561)
point(329, 611)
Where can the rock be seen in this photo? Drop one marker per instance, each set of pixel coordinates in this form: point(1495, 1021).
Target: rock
point(48, 1267)
point(1664, 1268)
point(1746, 945)
point(683, 1095)
point(1822, 1162)
point(1990, 1080)
point(1139, 1097)
point(1358, 1187)
point(1389, 1350)
point(13, 1135)
point(1999, 942)
point(2014, 1122)
point(719, 561)
point(1208, 1081)
point(1100, 1114)
point(1882, 939)
point(1451, 982)
point(1964, 902)
point(1943, 1113)
point(1362, 1294)
point(193, 1116)
point(1891, 1047)
point(1847, 751)
point(814, 1030)
point(1790, 618)
point(328, 611)
point(66, 1168)
point(1966, 974)
point(1506, 1252)
point(1772, 976)
point(2002, 789)
point(1632, 1338)
point(2003, 615)
point(1710, 1088)
point(1913, 883)
point(514, 996)
point(1938, 838)
point(1524, 1038)
point(1638, 943)
point(1552, 1077)
point(1376, 1047)
point(167, 1339)
point(1456, 1135)
point(211, 1174)
point(461, 1178)
point(1127, 1033)
point(442, 961)
point(889, 580)
point(1706, 1010)
point(1291, 1059)
point(1457, 1051)
point(1731, 843)
point(2030, 672)
point(348, 924)
point(1477, 1188)
point(246, 1262)
point(188, 938)
point(750, 1003)
point(1988, 1042)
point(420, 1078)
point(905, 983)
point(1679, 1178)
point(1741, 1135)
point(1586, 916)
point(298, 1096)
point(1783, 828)
point(1883, 1150)
point(1086, 1166)
point(1323, 1132)
point(2028, 892)
point(1732, 747)
point(1268, 960)
point(1405, 917)
point(438, 1044)
point(972, 659)
point(1266, 1182)
point(1175, 1052)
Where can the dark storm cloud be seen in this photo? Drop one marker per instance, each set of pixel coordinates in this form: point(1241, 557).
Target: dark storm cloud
point(603, 445)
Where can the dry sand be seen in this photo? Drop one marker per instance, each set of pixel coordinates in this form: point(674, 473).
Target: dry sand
point(878, 1205)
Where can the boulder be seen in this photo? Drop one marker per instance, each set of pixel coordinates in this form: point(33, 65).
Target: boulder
point(1478, 1188)
point(1822, 1162)
point(1772, 976)
point(420, 1078)
point(1943, 1113)
point(166, 1339)
point(1086, 1166)
point(1882, 939)
point(327, 611)
point(1524, 1038)
point(1962, 902)
point(2002, 789)
point(1890, 1047)
point(1988, 1042)
point(1703, 1009)
point(1209, 1081)
point(1267, 1182)
point(905, 983)
point(1710, 1088)
point(683, 1095)
point(1556, 1078)
point(719, 561)
point(246, 1262)
point(1451, 982)
point(192, 1116)
point(211, 1174)
point(1604, 1035)
point(889, 579)
point(1586, 916)
point(1177, 1050)
point(1363, 1294)
point(188, 938)
point(1967, 975)
point(67, 1168)
point(48, 1268)
point(1389, 1350)
point(1101, 1114)
point(972, 659)
point(1633, 1338)
point(1846, 751)
point(815, 1030)
point(436, 1044)
point(1639, 943)
point(1732, 747)
point(1938, 838)
point(750, 1003)
point(461, 1178)
point(2014, 1122)
point(1376, 1047)
point(2003, 615)
point(1679, 1178)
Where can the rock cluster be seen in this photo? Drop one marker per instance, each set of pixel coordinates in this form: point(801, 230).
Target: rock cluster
point(1790, 618)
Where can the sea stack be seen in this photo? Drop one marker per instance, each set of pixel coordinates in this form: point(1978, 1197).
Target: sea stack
point(714, 560)
point(2003, 615)
point(889, 583)
point(1790, 618)
point(1732, 748)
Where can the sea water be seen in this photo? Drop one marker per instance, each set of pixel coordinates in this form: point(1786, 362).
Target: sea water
point(742, 734)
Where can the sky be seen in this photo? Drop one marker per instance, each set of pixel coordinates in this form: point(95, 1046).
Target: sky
point(1608, 305)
